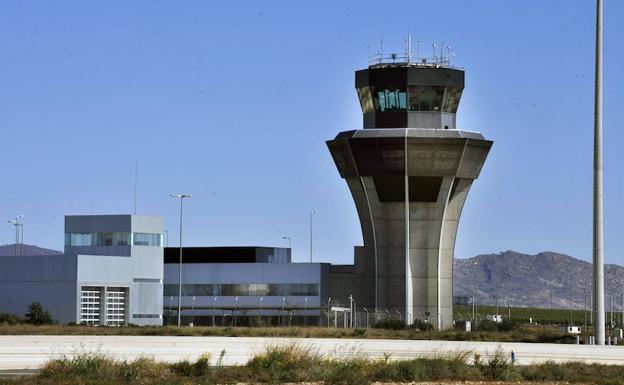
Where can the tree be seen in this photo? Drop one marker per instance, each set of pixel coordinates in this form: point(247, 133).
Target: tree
point(36, 315)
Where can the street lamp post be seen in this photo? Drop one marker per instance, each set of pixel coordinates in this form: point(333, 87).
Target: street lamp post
point(181, 197)
point(19, 233)
point(311, 213)
point(598, 252)
point(234, 314)
point(171, 305)
point(289, 239)
point(350, 310)
point(193, 310)
point(260, 312)
point(328, 310)
point(283, 304)
point(214, 311)
point(305, 312)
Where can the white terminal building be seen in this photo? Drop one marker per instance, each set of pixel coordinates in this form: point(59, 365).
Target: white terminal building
point(115, 271)
point(111, 273)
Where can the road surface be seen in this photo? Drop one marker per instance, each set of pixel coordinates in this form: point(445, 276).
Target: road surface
point(30, 352)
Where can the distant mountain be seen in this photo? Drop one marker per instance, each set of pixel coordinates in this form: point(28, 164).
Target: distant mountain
point(27, 250)
point(531, 280)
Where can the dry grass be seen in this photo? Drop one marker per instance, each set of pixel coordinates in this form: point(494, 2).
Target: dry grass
point(524, 334)
point(292, 364)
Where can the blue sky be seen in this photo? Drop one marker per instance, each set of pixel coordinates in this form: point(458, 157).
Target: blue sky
point(233, 102)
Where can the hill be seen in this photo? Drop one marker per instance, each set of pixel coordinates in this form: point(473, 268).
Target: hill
point(27, 250)
point(543, 280)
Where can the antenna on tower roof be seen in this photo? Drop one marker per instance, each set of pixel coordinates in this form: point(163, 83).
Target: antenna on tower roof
point(408, 53)
point(418, 50)
point(441, 55)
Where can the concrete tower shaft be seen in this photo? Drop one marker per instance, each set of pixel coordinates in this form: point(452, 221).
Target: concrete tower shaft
point(409, 183)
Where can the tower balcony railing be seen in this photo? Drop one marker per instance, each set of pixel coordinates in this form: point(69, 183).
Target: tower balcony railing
point(393, 59)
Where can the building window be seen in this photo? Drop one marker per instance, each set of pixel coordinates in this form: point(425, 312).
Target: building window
point(147, 316)
point(78, 239)
point(115, 306)
point(147, 239)
point(121, 239)
point(426, 98)
point(113, 239)
point(390, 99)
point(90, 305)
point(451, 99)
point(243, 289)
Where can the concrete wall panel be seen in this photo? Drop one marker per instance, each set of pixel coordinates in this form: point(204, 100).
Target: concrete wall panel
point(432, 225)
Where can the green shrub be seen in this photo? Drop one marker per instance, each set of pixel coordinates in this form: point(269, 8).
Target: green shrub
point(283, 364)
point(439, 368)
point(199, 368)
point(182, 368)
point(422, 325)
point(348, 373)
point(79, 366)
point(497, 368)
point(10, 319)
point(36, 315)
point(508, 325)
point(393, 324)
point(543, 372)
point(293, 364)
point(486, 325)
point(399, 371)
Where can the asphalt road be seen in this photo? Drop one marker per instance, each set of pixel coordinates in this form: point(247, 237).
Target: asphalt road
point(30, 352)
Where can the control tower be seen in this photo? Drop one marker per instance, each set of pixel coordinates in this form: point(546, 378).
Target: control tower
point(409, 171)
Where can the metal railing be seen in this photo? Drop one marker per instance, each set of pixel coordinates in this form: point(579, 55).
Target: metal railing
point(380, 60)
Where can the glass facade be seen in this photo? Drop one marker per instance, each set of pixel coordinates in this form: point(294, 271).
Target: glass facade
point(113, 239)
point(451, 99)
point(426, 98)
point(244, 289)
point(414, 98)
point(147, 239)
point(390, 99)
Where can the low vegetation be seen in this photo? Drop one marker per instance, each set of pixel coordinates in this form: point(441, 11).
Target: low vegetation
point(514, 329)
point(37, 315)
point(291, 364)
point(525, 315)
point(523, 334)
